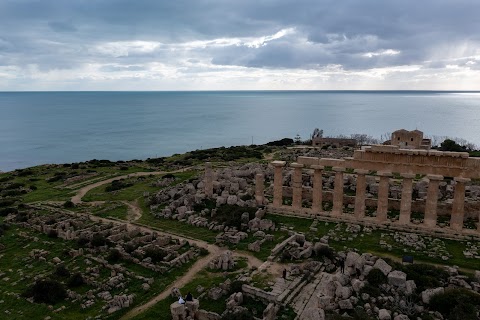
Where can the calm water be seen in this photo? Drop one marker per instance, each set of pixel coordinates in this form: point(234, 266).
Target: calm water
point(59, 127)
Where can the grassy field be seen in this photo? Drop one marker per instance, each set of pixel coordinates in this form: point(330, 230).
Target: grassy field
point(204, 279)
point(371, 242)
point(18, 271)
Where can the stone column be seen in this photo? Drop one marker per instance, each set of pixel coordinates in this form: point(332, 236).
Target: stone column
point(278, 183)
point(382, 199)
point(297, 185)
point(430, 219)
point(208, 180)
point(338, 191)
point(259, 188)
point(406, 202)
point(456, 220)
point(360, 193)
point(317, 196)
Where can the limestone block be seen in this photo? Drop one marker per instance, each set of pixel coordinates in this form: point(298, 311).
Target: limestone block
point(345, 304)
point(384, 314)
point(343, 292)
point(231, 200)
point(357, 285)
point(215, 293)
point(352, 257)
point(397, 278)
point(382, 266)
point(401, 317)
point(410, 287)
point(313, 314)
point(221, 200)
point(429, 293)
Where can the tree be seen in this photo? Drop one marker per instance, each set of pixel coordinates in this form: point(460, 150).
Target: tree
point(297, 139)
point(450, 145)
point(317, 133)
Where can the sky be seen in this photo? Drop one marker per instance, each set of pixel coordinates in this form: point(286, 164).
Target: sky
point(239, 45)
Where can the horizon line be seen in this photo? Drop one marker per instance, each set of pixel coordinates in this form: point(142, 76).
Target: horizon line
point(248, 90)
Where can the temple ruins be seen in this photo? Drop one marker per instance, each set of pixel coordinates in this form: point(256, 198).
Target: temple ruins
point(383, 162)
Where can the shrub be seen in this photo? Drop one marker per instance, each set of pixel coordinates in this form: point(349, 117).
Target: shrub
point(325, 251)
point(371, 290)
point(82, 242)
point(425, 275)
point(61, 271)
point(376, 277)
point(6, 202)
point(456, 304)
point(69, 204)
point(24, 173)
point(14, 185)
point(114, 256)
point(21, 217)
point(117, 185)
point(3, 228)
point(52, 233)
point(6, 211)
point(46, 291)
point(282, 142)
point(231, 215)
point(99, 240)
point(76, 280)
point(156, 254)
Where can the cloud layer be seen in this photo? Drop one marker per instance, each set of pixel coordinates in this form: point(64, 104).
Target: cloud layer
point(221, 44)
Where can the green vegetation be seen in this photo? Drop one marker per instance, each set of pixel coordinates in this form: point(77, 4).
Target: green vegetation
point(52, 280)
point(204, 279)
point(457, 304)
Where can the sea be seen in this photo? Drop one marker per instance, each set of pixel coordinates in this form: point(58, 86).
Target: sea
point(65, 127)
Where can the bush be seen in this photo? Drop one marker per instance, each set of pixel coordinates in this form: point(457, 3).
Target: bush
point(99, 241)
point(371, 290)
point(325, 251)
point(21, 217)
point(24, 172)
point(156, 254)
point(426, 276)
point(52, 233)
point(456, 304)
point(46, 291)
point(61, 271)
point(82, 242)
point(282, 142)
point(3, 228)
point(6, 211)
point(6, 202)
point(231, 215)
point(76, 280)
point(69, 204)
point(376, 277)
point(117, 185)
point(114, 256)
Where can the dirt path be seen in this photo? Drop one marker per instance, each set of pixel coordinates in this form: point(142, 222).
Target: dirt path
point(134, 210)
point(77, 198)
point(180, 282)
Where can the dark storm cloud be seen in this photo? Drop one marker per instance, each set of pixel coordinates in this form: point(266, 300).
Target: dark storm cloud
point(357, 35)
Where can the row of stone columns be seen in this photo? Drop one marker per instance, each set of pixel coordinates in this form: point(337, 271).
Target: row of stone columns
point(430, 218)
